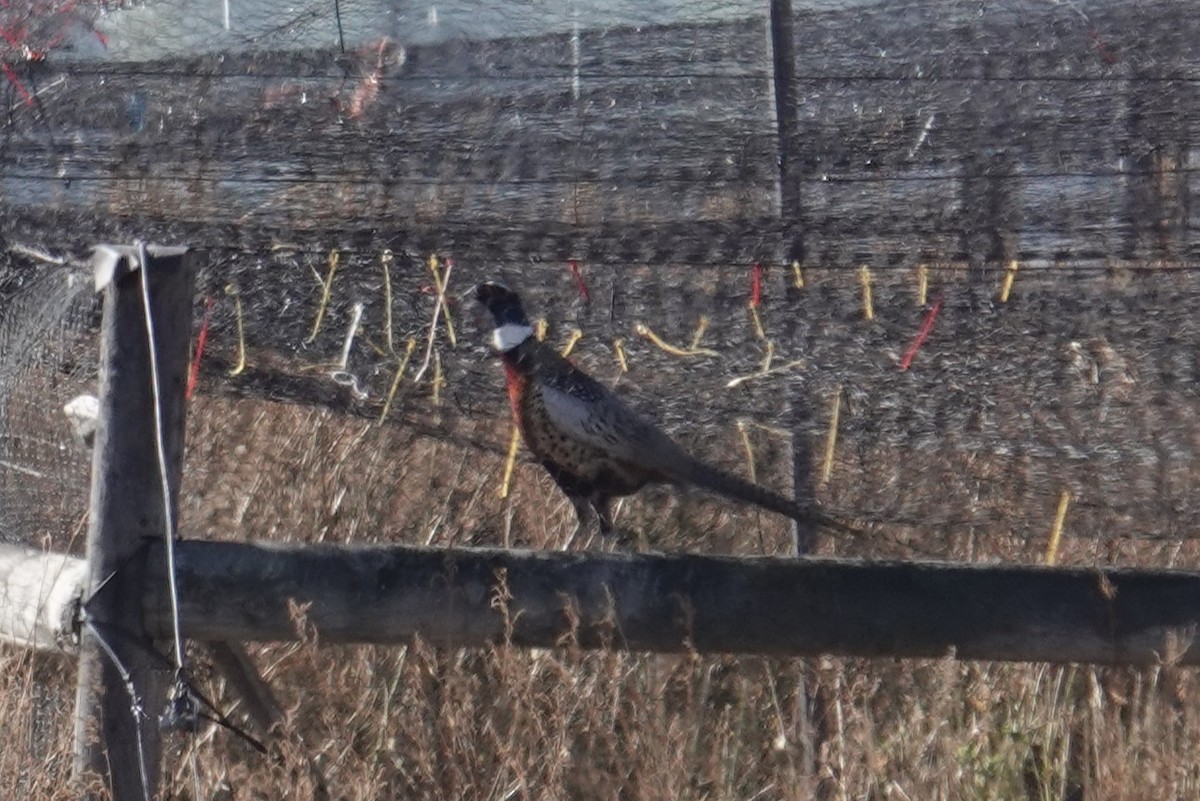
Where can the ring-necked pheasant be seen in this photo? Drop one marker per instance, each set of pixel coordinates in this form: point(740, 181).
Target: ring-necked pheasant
point(594, 446)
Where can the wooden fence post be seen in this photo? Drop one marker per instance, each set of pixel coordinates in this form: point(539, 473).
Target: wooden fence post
point(127, 510)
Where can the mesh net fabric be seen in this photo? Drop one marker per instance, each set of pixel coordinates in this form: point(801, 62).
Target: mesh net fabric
point(648, 150)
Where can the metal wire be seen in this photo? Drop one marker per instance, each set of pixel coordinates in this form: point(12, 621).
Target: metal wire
point(161, 451)
point(135, 704)
point(164, 476)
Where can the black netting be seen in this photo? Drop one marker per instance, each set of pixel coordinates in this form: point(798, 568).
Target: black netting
point(920, 144)
point(47, 358)
point(965, 229)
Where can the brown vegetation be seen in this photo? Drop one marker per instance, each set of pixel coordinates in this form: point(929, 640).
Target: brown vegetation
point(427, 723)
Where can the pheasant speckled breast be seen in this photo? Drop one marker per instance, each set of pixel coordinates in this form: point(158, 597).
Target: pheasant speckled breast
point(561, 413)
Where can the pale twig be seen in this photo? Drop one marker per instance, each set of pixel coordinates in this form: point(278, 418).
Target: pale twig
point(734, 382)
point(35, 253)
point(572, 340)
point(749, 448)
point(433, 326)
point(351, 333)
point(440, 280)
point(385, 259)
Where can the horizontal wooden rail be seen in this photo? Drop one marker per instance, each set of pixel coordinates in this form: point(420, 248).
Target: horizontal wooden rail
point(475, 597)
point(472, 597)
point(39, 593)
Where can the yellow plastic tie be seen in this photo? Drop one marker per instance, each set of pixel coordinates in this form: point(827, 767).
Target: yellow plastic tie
point(402, 365)
point(757, 320)
point(572, 341)
point(1010, 275)
point(797, 275)
point(326, 292)
point(773, 430)
point(240, 367)
point(1060, 517)
point(619, 350)
point(831, 440)
point(767, 358)
point(438, 379)
point(510, 463)
point(643, 330)
point(922, 284)
point(864, 277)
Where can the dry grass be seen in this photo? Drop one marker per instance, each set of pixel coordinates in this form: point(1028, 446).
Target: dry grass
point(427, 723)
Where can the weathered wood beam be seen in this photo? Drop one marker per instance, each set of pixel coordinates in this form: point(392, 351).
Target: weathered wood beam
point(39, 594)
point(262, 707)
point(128, 510)
point(474, 597)
point(381, 594)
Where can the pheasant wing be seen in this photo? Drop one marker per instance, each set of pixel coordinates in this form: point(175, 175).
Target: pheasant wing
point(589, 413)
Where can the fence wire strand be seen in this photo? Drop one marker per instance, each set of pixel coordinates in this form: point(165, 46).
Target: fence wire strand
point(180, 678)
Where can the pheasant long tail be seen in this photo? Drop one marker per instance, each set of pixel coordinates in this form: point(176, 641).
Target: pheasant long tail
point(738, 489)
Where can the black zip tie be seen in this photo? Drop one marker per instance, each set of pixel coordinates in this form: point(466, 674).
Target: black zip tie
point(184, 693)
point(182, 712)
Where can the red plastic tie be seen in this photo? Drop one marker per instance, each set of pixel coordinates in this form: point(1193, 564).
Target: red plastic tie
point(1104, 52)
point(922, 334)
point(580, 284)
point(756, 282)
point(201, 341)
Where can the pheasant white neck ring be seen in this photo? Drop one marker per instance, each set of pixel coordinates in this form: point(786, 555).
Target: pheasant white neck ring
point(510, 335)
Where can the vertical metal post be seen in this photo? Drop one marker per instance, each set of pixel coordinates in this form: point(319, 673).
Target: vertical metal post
point(1157, 167)
point(783, 63)
point(810, 697)
point(127, 510)
point(787, 124)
